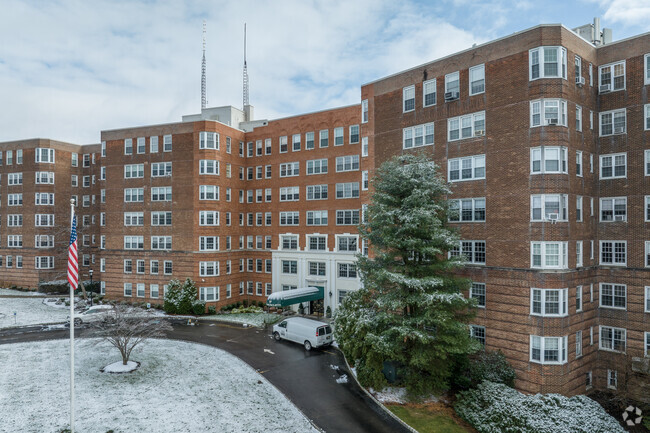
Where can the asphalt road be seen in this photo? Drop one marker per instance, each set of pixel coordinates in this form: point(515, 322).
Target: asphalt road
point(308, 379)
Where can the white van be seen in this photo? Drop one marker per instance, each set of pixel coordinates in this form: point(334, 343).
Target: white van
point(309, 333)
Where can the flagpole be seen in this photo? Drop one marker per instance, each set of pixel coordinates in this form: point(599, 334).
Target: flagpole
point(71, 334)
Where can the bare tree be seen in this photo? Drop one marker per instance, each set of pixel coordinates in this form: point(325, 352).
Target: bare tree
point(125, 327)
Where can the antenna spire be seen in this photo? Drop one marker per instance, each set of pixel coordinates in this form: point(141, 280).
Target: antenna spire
point(246, 102)
point(204, 99)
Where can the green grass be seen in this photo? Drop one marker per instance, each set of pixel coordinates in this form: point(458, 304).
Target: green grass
point(427, 421)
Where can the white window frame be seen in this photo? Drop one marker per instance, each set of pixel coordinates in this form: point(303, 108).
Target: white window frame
point(561, 62)
point(457, 206)
point(408, 94)
point(318, 192)
point(562, 302)
point(347, 163)
point(543, 246)
point(612, 292)
point(612, 115)
point(562, 348)
point(364, 116)
point(450, 79)
point(610, 347)
point(614, 244)
point(476, 69)
point(426, 90)
point(315, 216)
point(462, 123)
point(543, 152)
point(613, 201)
point(539, 108)
point(563, 207)
point(418, 136)
point(611, 67)
point(468, 249)
point(476, 162)
point(473, 295)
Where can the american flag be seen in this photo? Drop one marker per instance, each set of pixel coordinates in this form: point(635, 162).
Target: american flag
point(73, 261)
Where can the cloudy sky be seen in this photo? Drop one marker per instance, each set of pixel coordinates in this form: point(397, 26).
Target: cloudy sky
point(69, 69)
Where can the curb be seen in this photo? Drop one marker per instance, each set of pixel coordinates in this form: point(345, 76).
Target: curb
point(384, 408)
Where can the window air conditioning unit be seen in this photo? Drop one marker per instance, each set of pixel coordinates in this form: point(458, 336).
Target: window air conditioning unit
point(605, 88)
point(619, 217)
point(551, 121)
point(479, 133)
point(450, 96)
point(580, 81)
point(619, 130)
point(552, 217)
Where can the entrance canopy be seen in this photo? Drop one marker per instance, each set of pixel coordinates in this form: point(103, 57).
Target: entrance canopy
point(295, 296)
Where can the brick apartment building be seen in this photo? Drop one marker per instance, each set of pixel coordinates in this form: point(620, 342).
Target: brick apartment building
point(543, 136)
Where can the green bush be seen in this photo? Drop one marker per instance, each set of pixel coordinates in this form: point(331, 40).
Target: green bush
point(199, 308)
point(471, 370)
point(212, 309)
point(181, 298)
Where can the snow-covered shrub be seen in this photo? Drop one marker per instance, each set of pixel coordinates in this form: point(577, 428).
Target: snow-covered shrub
point(251, 309)
point(496, 408)
point(212, 309)
point(181, 298)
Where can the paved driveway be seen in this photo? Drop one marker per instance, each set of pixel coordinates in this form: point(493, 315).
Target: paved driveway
point(308, 379)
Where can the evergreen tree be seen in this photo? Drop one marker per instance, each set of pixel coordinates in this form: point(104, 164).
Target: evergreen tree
point(410, 310)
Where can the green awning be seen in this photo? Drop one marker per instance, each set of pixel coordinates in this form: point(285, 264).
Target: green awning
point(295, 296)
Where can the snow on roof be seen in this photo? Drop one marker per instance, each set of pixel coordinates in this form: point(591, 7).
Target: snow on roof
point(293, 293)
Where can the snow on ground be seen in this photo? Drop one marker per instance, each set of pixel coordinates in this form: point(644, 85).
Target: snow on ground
point(119, 367)
point(253, 319)
point(30, 311)
point(20, 293)
point(178, 387)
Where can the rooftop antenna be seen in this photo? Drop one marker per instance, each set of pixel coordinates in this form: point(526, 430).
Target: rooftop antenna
point(246, 102)
point(204, 99)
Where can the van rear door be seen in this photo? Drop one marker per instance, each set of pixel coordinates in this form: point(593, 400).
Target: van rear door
point(324, 335)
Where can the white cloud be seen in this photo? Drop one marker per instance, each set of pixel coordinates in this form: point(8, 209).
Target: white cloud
point(628, 12)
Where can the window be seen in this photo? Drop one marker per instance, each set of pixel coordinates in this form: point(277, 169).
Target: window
point(44, 220)
point(140, 266)
point(578, 254)
point(429, 93)
point(452, 85)
point(547, 62)
point(347, 163)
point(468, 168)
point(611, 77)
point(364, 146)
point(284, 147)
point(44, 199)
point(548, 302)
point(613, 253)
point(323, 136)
point(44, 241)
point(14, 241)
point(477, 80)
point(347, 270)
point(15, 178)
point(47, 178)
point(317, 243)
point(289, 242)
point(41, 262)
point(289, 267)
point(408, 98)
point(290, 169)
point(15, 220)
point(347, 217)
point(208, 166)
point(613, 209)
point(338, 136)
point(132, 195)
point(477, 333)
point(295, 142)
point(354, 134)
point(646, 124)
point(347, 190)
point(15, 199)
point(548, 159)
point(613, 122)
point(161, 169)
point(318, 192)
point(208, 269)
point(161, 242)
point(549, 207)
point(153, 145)
point(578, 299)
point(548, 255)
point(477, 291)
point(548, 350)
point(471, 125)
point(208, 192)
point(364, 114)
point(472, 251)
point(578, 118)
point(133, 242)
point(128, 289)
point(289, 218)
point(548, 112)
point(347, 243)
point(647, 254)
point(578, 163)
point(416, 136)
point(317, 166)
point(290, 193)
point(161, 193)
point(364, 180)
point(132, 171)
point(578, 68)
point(612, 339)
point(208, 218)
point(646, 346)
point(646, 68)
point(317, 218)
point(467, 210)
point(317, 268)
point(133, 218)
point(168, 267)
point(208, 140)
point(128, 146)
point(613, 295)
